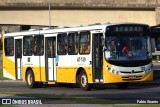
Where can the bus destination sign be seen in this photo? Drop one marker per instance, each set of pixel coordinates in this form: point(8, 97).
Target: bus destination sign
point(128, 29)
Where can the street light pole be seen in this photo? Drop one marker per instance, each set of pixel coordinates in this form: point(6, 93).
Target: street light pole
point(49, 3)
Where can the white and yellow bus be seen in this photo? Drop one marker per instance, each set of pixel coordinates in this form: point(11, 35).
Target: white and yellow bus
point(101, 53)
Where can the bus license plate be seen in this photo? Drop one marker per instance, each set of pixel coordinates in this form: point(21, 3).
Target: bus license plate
point(132, 77)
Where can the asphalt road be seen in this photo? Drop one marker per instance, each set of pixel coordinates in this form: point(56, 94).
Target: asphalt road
point(135, 90)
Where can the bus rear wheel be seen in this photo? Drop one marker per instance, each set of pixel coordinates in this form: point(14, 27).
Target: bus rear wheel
point(30, 80)
point(123, 85)
point(83, 81)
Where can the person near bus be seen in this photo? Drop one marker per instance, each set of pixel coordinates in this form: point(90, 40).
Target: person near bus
point(126, 51)
point(87, 48)
point(35, 47)
point(112, 47)
point(65, 49)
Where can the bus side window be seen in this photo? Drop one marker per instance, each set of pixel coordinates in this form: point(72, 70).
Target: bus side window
point(84, 43)
point(62, 41)
point(38, 45)
point(9, 46)
point(41, 45)
point(73, 43)
point(35, 45)
point(28, 45)
point(49, 48)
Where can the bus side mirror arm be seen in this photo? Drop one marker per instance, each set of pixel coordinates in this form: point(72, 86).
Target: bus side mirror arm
point(103, 42)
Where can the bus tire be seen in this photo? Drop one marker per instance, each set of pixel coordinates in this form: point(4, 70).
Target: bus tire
point(30, 80)
point(83, 81)
point(122, 85)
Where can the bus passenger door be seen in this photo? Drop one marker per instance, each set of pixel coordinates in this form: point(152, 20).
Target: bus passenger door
point(18, 57)
point(97, 57)
point(50, 65)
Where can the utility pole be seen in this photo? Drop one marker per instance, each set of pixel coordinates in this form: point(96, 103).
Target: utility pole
point(49, 7)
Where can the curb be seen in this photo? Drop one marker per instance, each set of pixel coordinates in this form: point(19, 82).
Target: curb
point(12, 81)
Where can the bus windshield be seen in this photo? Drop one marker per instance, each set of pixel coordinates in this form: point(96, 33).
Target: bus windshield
point(125, 47)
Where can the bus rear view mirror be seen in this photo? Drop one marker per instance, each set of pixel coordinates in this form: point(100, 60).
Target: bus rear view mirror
point(103, 42)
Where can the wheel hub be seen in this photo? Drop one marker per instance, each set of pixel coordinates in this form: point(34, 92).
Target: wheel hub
point(84, 80)
point(29, 79)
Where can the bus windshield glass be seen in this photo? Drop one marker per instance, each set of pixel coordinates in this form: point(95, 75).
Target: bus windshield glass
point(125, 47)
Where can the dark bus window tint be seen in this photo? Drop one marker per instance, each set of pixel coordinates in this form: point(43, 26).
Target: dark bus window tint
point(35, 45)
point(38, 45)
point(72, 43)
point(28, 45)
point(158, 44)
point(84, 43)
point(51, 47)
point(62, 48)
point(41, 45)
point(9, 46)
point(18, 48)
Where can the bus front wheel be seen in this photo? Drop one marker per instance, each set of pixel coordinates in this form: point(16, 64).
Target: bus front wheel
point(83, 81)
point(30, 80)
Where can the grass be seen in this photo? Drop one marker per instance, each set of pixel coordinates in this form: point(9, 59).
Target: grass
point(63, 97)
point(1, 74)
point(7, 106)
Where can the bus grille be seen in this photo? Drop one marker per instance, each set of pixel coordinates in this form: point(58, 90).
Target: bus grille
point(131, 72)
point(132, 78)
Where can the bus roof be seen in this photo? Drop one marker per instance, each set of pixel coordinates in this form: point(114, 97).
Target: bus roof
point(96, 26)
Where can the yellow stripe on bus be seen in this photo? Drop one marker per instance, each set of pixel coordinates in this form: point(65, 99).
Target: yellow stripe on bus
point(9, 66)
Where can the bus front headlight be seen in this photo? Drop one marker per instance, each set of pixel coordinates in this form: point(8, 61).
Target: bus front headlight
point(142, 68)
point(117, 72)
point(113, 71)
